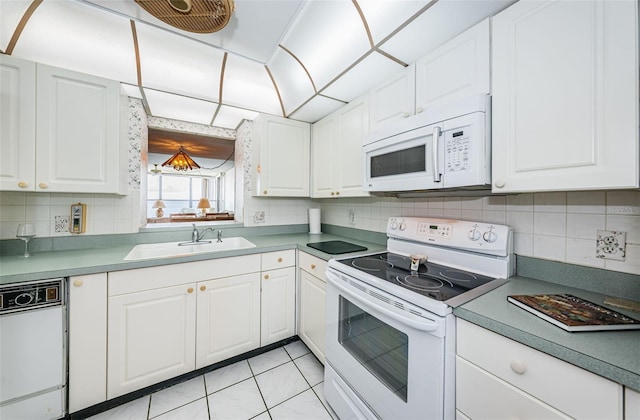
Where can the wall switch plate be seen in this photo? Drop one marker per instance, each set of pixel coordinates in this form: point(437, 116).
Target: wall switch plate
point(611, 245)
point(352, 217)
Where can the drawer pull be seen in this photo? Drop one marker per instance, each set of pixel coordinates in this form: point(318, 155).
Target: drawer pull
point(23, 184)
point(266, 277)
point(190, 290)
point(78, 283)
point(203, 288)
point(518, 367)
point(279, 259)
point(313, 266)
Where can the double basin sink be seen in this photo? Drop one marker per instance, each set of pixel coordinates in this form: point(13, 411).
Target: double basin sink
point(183, 249)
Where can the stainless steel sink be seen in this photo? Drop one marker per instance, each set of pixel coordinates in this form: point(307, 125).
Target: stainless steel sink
point(182, 248)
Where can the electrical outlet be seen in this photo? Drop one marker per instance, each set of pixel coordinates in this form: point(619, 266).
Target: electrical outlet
point(258, 217)
point(611, 245)
point(352, 217)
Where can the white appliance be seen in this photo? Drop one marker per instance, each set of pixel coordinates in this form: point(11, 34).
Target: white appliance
point(32, 350)
point(390, 349)
point(444, 147)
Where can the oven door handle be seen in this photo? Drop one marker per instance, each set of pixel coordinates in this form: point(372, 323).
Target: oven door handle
point(426, 325)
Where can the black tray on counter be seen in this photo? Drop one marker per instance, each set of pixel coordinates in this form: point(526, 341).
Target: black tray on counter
point(336, 247)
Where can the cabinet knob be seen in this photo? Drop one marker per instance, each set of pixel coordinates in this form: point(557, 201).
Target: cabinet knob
point(190, 290)
point(419, 110)
point(499, 183)
point(337, 192)
point(43, 185)
point(313, 266)
point(23, 184)
point(266, 277)
point(333, 193)
point(203, 288)
point(264, 192)
point(78, 283)
point(405, 115)
point(279, 259)
point(518, 367)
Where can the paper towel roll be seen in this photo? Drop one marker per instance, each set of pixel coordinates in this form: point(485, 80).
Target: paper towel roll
point(314, 221)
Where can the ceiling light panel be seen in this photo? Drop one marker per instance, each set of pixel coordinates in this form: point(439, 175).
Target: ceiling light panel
point(10, 14)
point(248, 85)
point(372, 71)
point(294, 83)
point(328, 37)
point(435, 27)
point(178, 64)
point(132, 91)
point(316, 109)
point(384, 16)
point(230, 117)
point(78, 37)
point(176, 107)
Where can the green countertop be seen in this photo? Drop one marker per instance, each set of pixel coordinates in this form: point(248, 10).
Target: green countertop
point(614, 355)
point(51, 264)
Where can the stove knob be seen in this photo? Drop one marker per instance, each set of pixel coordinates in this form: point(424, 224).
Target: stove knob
point(394, 226)
point(474, 234)
point(490, 236)
point(403, 226)
point(24, 299)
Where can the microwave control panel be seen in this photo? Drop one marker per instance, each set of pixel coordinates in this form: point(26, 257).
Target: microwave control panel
point(457, 151)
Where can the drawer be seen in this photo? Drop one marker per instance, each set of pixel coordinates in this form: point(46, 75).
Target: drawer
point(140, 279)
point(568, 388)
point(278, 259)
point(480, 395)
point(312, 265)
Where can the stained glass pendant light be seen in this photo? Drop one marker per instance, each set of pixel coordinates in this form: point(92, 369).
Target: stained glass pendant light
point(181, 161)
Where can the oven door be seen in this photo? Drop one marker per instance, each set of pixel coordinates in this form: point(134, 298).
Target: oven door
point(408, 161)
point(389, 356)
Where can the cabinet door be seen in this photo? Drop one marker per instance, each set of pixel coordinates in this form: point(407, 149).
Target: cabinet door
point(151, 337)
point(631, 404)
point(228, 318)
point(393, 100)
point(282, 165)
point(312, 313)
point(79, 146)
point(17, 124)
point(324, 157)
point(457, 69)
point(278, 305)
point(565, 96)
point(354, 126)
point(87, 309)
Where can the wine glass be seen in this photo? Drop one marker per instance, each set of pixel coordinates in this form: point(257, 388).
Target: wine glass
point(26, 231)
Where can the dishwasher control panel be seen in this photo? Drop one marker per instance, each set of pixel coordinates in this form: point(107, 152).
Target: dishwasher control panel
point(31, 295)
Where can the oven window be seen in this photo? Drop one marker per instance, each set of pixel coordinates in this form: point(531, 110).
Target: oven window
point(381, 349)
point(403, 161)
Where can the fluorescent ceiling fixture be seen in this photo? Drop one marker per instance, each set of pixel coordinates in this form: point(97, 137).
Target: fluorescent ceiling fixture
point(176, 107)
point(384, 16)
point(374, 69)
point(66, 33)
point(231, 117)
point(131, 90)
point(316, 109)
point(178, 64)
point(10, 14)
point(294, 83)
point(247, 85)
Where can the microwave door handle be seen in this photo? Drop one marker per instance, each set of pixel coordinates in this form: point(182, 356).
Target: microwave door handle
point(436, 166)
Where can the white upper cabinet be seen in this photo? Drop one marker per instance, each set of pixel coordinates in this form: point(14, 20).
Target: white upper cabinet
point(457, 69)
point(565, 96)
point(337, 151)
point(17, 124)
point(393, 100)
point(62, 131)
point(280, 157)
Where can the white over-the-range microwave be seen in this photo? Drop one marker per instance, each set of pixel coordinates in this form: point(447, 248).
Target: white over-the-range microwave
point(442, 148)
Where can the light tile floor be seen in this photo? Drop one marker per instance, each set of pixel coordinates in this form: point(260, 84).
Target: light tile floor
point(285, 383)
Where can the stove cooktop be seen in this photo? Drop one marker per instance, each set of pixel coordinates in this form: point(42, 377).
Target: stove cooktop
point(431, 280)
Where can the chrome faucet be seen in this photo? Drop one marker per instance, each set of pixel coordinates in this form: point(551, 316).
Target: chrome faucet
point(219, 235)
point(196, 236)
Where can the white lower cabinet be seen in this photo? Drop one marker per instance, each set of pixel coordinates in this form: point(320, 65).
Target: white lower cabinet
point(499, 378)
point(278, 298)
point(87, 309)
point(228, 321)
point(313, 285)
point(157, 318)
point(631, 404)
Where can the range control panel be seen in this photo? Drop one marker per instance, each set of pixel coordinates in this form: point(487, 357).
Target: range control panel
point(460, 234)
point(31, 295)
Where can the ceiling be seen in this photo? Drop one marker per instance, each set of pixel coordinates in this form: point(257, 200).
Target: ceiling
point(301, 59)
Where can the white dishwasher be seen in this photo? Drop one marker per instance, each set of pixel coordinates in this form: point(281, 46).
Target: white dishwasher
point(32, 350)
